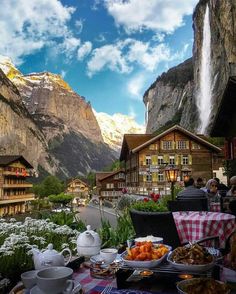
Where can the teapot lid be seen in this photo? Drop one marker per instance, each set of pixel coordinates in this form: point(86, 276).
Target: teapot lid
point(50, 251)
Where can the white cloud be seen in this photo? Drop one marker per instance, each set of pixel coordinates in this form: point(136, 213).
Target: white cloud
point(101, 38)
point(136, 86)
point(79, 25)
point(158, 37)
point(84, 50)
point(27, 26)
point(132, 112)
point(108, 56)
point(69, 46)
point(121, 57)
point(147, 56)
point(156, 15)
point(63, 73)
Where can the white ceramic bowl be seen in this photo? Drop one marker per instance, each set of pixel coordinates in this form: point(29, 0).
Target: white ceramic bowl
point(144, 264)
point(190, 267)
point(181, 285)
point(149, 238)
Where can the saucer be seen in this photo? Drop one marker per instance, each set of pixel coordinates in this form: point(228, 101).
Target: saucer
point(98, 259)
point(76, 290)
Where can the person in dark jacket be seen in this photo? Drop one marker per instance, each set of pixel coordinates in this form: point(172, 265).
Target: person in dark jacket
point(190, 191)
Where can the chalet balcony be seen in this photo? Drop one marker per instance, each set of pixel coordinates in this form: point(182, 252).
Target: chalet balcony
point(18, 185)
point(16, 198)
point(13, 173)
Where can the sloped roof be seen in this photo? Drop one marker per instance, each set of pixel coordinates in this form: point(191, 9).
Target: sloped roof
point(131, 141)
point(112, 174)
point(8, 159)
point(186, 132)
point(77, 180)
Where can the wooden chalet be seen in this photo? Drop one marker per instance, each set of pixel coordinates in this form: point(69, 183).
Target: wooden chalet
point(146, 156)
point(110, 185)
point(14, 189)
point(77, 187)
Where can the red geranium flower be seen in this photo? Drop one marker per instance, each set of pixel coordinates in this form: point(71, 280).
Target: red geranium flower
point(145, 199)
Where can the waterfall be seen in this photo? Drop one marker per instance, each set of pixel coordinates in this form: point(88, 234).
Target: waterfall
point(205, 91)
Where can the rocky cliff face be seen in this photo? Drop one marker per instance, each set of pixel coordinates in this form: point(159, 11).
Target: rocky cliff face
point(169, 100)
point(65, 137)
point(173, 96)
point(18, 132)
point(223, 46)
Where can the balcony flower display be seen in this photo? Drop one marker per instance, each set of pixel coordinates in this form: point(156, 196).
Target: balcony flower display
point(154, 203)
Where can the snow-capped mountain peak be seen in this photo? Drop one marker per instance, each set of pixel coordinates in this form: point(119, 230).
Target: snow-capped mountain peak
point(113, 127)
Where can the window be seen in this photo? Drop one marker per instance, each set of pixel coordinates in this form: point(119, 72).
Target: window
point(121, 185)
point(160, 177)
point(149, 178)
point(172, 159)
point(160, 160)
point(181, 144)
point(153, 147)
point(110, 186)
point(185, 159)
point(195, 146)
point(148, 160)
point(167, 145)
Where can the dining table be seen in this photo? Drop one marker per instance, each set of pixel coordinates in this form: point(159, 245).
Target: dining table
point(195, 225)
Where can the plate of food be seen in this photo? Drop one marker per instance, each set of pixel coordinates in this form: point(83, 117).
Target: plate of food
point(202, 286)
point(145, 254)
point(151, 238)
point(194, 258)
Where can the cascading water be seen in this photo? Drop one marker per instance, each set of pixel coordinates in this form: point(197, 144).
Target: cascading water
point(205, 91)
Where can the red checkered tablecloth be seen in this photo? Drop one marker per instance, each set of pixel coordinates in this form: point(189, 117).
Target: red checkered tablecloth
point(194, 225)
point(88, 283)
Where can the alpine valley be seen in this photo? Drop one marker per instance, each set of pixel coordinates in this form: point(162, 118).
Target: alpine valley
point(56, 129)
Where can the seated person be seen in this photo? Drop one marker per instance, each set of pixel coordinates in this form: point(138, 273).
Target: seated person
point(222, 188)
point(211, 190)
point(190, 191)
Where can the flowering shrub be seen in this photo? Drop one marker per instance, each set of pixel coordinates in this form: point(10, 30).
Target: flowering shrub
point(153, 204)
point(18, 238)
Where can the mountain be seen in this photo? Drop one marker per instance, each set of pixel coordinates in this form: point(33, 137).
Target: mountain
point(114, 126)
point(63, 120)
point(174, 97)
point(169, 100)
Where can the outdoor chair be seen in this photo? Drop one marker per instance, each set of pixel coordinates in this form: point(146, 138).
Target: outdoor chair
point(200, 204)
point(160, 224)
point(232, 207)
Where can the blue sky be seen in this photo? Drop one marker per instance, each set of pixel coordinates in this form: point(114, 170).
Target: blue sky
point(109, 51)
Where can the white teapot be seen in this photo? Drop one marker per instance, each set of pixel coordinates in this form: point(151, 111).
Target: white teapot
point(88, 243)
point(50, 257)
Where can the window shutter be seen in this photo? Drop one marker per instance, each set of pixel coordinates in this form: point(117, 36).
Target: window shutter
point(187, 144)
point(161, 144)
point(176, 145)
point(181, 159)
point(173, 144)
point(144, 178)
point(154, 159)
point(166, 158)
point(154, 177)
point(190, 159)
point(176, 159)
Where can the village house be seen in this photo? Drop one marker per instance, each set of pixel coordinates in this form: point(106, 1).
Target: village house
point(80, 191)
point(14, 189)
point(146, 157)
point(110, 185)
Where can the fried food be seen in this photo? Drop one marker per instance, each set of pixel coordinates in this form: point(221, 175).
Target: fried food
point(205, 286)
point(195, 254)
point(144, 251)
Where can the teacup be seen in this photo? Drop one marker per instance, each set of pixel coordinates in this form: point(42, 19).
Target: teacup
point(55, 280)
point(108, 254)
point(29, 279)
